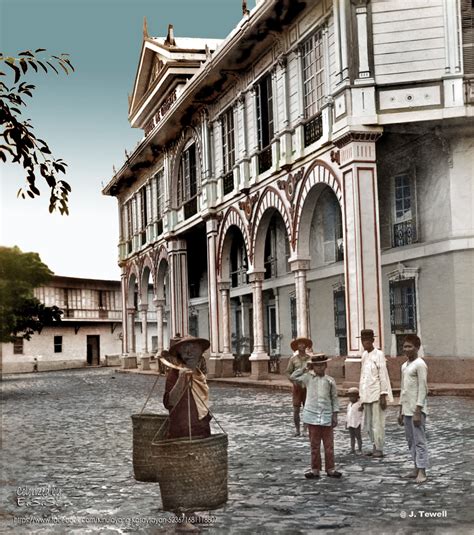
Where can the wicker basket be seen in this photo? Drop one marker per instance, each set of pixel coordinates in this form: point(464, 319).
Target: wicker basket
point(192, 474)
point(145, 427)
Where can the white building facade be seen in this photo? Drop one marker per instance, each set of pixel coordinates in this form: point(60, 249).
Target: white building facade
point(310, 175)
point(90, 330)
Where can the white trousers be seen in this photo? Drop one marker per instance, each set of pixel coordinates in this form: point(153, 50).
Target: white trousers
point(374, 422)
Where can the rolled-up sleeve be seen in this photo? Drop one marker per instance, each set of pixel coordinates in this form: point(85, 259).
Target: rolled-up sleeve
point(422, 372)
point(334, 399)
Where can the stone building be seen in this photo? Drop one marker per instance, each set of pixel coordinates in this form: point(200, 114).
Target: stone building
point(91, 327)
point(311, 174)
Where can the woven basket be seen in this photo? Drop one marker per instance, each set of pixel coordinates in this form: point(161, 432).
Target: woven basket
point(192, 474)
point(145, 427)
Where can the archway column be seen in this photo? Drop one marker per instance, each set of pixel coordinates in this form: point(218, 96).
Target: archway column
point(362, 258)
point(124, 314)
point(143, 308)
point(299, 267)
point(131, 348)
point(178, 264)
point(159, 304)
point(227, 358)
point(259, 357)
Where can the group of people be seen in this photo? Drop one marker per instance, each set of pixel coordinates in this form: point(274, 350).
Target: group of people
point(316, 392)
point(187, 395)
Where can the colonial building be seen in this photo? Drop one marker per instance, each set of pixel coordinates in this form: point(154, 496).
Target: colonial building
point(91, 328)
point(311, 175)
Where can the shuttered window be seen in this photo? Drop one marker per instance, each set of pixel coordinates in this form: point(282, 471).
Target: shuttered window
point(467, 24)
point(187, 175)
point(313, 74)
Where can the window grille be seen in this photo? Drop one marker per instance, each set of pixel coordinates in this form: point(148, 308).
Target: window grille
point(403, 306)
point(265, 124)
point(313, 74)
point(187, 175)
point(228, 140)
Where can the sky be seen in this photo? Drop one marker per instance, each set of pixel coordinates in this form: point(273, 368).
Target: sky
point(83, 116)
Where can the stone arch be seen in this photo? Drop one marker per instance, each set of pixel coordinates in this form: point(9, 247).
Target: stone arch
point(269, 202)
point(147, 269)
point(161, 270)
point(186, 135)
point(133, 278)
point(231, 219)
point(319, 174)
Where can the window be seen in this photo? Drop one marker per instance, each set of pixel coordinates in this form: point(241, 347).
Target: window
point(467, 24)
point(403, 306)
point(265, 124)
point(270, 260)
point(58, 344)
point(293, 318)
point(129, 225)
point(404, 227)
point(154, 344)
point(194, 325)
point(333, 250)
point(340, 319)
point(143, 214)
point(187, 175)
point(18, 346)
point(160, 194)
point(313, 75)
point(228, 141)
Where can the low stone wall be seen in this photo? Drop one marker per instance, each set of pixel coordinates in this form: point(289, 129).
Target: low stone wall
point(27, 365)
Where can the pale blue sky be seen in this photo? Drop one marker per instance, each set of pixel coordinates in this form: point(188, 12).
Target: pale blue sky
point(83, 117)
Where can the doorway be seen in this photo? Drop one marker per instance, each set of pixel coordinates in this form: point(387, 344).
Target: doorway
point(93, 350)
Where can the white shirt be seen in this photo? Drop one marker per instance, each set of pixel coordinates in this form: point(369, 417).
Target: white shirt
point(354, 415)
point(374, 379)
point(414, 386)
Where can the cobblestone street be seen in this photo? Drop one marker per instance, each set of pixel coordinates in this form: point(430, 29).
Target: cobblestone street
point(72, 431)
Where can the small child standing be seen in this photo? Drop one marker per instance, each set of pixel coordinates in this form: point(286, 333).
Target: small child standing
point(354, 419)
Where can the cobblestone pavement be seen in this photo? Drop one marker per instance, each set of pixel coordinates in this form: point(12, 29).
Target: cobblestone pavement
point(71, 431)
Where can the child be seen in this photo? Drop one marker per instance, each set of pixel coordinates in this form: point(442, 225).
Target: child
point(319, 413)
point(354, 419)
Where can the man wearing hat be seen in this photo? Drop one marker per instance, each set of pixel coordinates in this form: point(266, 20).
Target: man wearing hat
point(186, 392)
point(374, 390)
point(319, 413)
point(296, 362)
point(413, 405)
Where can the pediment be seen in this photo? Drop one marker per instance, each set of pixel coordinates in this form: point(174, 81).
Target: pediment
point(163, 66)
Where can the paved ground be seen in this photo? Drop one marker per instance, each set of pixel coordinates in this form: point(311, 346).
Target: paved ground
point(71, 431)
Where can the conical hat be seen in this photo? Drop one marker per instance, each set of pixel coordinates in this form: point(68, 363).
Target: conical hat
point(174, 349)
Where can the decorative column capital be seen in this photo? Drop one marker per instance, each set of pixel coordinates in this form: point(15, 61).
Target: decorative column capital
point(223, 286)
point(158, 302)
point(256, 276)
point(299, 264)
point(143, 307)
point(369, 136)
point(131, 310)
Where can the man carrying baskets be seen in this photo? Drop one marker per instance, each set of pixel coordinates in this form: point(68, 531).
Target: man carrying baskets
point(186, 392)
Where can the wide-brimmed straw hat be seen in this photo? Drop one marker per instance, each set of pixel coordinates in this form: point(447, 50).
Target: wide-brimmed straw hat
point(175, 348)
point(318, 358)
point(294, 343)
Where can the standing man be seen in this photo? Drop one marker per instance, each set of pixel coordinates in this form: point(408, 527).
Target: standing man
point(298, 361)
point(413, 405)
point(375, 390)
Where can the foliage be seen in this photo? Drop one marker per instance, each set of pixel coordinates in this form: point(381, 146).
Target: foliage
point(21, 314)
point(20, 145)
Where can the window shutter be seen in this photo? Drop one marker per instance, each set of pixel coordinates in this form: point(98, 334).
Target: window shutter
point(467, 25)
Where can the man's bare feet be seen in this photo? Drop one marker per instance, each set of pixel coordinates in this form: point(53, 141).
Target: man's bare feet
point(421, 476)
point(412, 474)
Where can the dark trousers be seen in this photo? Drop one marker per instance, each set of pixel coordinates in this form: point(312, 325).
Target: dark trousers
point(316, 434)
point(355, 433)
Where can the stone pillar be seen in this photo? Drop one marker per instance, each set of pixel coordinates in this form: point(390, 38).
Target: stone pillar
point(178, 266)
point(362, 271)
point(131, 330)
point(299, 267)
point(362, 39)
point(143, 308)
point(259, 357)
point(227, 357)
point(214, 369)
point(124, 314)
point(159, 305)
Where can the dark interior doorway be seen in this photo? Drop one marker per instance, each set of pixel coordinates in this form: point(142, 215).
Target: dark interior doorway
point(93, 350)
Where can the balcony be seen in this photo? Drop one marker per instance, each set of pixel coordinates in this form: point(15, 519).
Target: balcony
point(404, 233)
point(265, 159)
point(313, 130)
